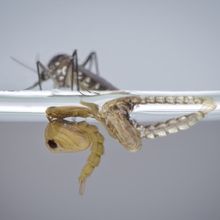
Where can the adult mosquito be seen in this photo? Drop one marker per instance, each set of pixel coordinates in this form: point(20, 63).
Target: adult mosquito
point(65, 72)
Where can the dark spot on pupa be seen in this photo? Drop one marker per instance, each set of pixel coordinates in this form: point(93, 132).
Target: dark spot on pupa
point(52, 144)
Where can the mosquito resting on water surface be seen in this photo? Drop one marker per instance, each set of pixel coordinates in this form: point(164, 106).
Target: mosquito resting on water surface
point(65, 72)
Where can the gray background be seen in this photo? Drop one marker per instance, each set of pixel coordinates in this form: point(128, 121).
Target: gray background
point(142, 45)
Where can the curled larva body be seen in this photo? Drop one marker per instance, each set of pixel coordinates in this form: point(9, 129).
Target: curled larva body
point(65, 136)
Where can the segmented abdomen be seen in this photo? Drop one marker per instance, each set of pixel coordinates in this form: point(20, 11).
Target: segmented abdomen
point(97, 150)
point(176, 124)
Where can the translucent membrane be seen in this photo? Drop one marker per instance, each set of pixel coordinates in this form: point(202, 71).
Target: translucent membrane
point(31, 105)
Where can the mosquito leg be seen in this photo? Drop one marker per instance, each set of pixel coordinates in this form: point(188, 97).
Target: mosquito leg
point(75, 69)
point(33, 86)
point(92, 59)
point(39, 65)
point(42, 74)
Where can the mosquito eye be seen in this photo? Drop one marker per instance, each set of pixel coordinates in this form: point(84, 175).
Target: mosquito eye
point(52, 144)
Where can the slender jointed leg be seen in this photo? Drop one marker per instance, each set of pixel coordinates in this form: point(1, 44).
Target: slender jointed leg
point(41, 69)
point(75, 69)
point(91, 60)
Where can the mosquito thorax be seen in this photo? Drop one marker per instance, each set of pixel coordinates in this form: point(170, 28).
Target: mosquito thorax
point(58, 68)
point(59, 61)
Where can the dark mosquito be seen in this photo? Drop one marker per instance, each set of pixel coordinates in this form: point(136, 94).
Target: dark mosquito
point(65, 72)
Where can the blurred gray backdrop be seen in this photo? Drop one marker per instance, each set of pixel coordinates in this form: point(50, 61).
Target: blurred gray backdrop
point(142, 45)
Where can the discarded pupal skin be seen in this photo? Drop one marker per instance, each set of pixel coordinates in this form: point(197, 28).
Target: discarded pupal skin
point(115, 116)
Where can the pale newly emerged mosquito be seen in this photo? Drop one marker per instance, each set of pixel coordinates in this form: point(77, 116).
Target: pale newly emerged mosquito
point(65, 72)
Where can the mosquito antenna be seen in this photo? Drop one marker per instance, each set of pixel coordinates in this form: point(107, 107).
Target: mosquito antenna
point(23, 64)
